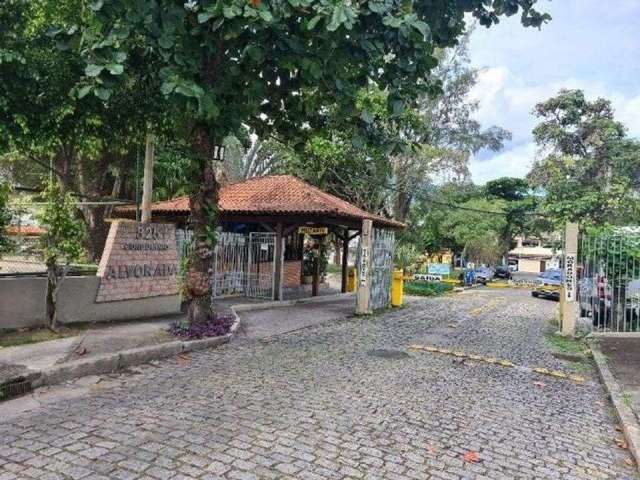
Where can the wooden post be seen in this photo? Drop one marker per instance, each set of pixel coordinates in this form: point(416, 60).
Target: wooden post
point(569, 314)
point(345, 260)
point(279, 258)
point(315, 286)
point(147, 182)
point(363, 303)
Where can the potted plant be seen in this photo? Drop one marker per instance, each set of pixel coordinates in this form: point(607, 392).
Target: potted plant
point(307, 265)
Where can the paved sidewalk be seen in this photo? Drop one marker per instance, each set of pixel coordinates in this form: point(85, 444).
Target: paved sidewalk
point(340, 400)
point(623, 358)
point(101, 339)
point(262, 323)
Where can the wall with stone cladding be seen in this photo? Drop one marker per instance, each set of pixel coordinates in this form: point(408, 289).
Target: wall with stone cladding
point(139, 261)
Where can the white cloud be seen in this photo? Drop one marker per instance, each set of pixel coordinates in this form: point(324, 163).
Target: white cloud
point(508, 100)
point(515, 162)
point(589, 45)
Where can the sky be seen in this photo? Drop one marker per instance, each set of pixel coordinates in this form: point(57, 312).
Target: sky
point(593, 45)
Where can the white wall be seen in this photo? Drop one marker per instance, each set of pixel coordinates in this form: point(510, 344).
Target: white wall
point(22, 303)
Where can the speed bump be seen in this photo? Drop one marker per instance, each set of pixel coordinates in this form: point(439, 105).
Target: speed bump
point(497, 361)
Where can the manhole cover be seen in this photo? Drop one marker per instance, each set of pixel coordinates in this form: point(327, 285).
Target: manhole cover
point(390, 354)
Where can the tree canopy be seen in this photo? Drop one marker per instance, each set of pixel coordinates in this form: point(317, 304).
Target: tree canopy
point(589, 171)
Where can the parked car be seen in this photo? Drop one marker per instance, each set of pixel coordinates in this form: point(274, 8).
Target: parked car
point(503, 272)
point(548, 285)
point(596, 299)
point(483, 275)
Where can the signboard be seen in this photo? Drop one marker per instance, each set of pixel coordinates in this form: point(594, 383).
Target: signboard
point(439, 269)
point(427, 277)
point(363, 271)
point(313, 230)
point(570, 274)
point(139, 261)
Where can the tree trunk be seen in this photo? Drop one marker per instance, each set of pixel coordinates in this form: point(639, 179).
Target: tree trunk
point(203, 205)
point(52, 294)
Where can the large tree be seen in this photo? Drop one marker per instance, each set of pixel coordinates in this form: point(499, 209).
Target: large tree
point(589, 169)
point(45, 127)
point(444, 131)
point(520, 208)
point(269, 65)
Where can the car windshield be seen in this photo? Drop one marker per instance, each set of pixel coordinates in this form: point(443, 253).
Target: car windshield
point(551, 275)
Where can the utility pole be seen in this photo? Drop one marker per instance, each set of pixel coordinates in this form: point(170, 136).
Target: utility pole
point(147, 182)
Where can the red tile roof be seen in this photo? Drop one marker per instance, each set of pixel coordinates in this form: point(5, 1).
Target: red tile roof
point(275, 195)
point(26, 230)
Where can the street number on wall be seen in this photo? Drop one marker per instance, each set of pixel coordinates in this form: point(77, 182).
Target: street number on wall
point(363, 273)
point(570, 277)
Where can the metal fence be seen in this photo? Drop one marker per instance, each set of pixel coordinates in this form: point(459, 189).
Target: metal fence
point(244, 265)
point(609, 279)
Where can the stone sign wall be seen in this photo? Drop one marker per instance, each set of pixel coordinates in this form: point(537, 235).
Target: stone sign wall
point(139, 261)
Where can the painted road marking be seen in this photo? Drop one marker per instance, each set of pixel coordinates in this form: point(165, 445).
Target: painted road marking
point(498, 361)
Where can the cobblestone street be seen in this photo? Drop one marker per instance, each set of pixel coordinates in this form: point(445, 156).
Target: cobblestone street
point(345, 399)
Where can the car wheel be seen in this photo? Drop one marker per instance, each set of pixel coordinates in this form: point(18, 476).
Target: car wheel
point(535, 294)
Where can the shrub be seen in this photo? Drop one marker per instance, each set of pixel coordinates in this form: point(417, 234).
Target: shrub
point(426, 289)
point(215, 327)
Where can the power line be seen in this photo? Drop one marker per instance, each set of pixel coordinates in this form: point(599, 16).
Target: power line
point(426, 196)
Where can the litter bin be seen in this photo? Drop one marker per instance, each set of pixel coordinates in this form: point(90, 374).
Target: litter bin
point(351, 279)
point(397, 287)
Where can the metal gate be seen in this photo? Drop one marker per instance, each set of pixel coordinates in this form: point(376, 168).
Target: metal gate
point(261, 266)
point(244, 265)
point(382, 245)
point(609, 279)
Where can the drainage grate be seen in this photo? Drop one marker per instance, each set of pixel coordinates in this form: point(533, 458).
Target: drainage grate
point(389, 354)
point(14, 388)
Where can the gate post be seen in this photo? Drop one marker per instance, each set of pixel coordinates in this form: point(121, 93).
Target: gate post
point(278, 263)
point(363, 294)
point(569, 306)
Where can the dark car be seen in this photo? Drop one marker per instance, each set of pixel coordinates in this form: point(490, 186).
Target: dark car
point(502, 272)
point(483, 275)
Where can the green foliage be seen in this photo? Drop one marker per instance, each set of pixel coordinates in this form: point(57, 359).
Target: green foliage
point(63, 240)
point(201, 56)
point(6, 244)
point(591, 170)
point(173, 171)
point(426, 289)
point(406, 255)
point(617, 251)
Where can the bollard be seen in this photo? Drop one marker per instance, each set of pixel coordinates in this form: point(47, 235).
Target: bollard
point(351, 280)
point(397, 287)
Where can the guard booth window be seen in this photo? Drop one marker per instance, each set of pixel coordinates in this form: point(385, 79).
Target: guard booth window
point(293, 247)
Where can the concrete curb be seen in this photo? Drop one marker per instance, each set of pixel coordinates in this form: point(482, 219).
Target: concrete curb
point(628, 420)
point(112, 362)
point(247, 307)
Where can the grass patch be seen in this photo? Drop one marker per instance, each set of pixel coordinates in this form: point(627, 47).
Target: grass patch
point(580, 367)
point(425, 289)
point(565, 344)
point(12, 338)
point(332, 268)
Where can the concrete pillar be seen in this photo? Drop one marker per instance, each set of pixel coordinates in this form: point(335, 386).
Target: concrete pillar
point(363, 304)
point(569, 306)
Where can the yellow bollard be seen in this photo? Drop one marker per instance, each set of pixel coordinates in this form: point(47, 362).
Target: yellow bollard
point(397, 287)
point(351, 280)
